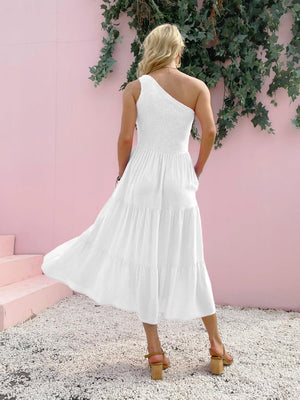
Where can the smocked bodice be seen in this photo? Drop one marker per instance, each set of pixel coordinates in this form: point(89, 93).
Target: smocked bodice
point(163, 123)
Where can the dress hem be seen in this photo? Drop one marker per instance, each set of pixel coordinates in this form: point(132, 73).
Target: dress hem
point(85, 292)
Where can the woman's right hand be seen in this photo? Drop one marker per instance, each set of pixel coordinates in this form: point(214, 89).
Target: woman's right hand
point(197, 172)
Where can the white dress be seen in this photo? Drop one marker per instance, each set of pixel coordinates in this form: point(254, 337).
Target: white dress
point(144, 251)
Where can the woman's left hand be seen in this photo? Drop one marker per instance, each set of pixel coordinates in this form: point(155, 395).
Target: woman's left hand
point(196, 172)
point(118, 179)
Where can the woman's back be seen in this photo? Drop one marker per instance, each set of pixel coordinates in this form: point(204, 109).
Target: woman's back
point(163, 122)
point(179, 85)
point(169, 103)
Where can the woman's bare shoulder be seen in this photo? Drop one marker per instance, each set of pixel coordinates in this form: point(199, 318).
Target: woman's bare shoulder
point(133, 88)
point(132, 85)
point(194, 82)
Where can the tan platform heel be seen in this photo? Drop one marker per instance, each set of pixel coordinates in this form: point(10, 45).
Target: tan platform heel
point(218, 362)
point(156, 367)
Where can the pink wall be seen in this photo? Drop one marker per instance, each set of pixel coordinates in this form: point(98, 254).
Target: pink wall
point(58, 155)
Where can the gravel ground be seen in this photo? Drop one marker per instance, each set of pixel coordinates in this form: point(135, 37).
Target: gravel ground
point(78, 349)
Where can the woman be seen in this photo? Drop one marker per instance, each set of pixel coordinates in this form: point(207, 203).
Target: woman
point(144, 252)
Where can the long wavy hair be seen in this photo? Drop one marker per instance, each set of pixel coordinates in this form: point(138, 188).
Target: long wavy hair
point(160, 47)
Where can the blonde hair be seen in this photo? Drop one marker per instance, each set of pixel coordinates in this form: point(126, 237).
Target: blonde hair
point(160, 47)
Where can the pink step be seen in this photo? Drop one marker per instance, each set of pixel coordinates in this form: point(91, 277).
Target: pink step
point(15, 268)
point(7, 245)
point(21, 300)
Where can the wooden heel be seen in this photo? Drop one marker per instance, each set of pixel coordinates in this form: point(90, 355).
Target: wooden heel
point(216, 365)
point(218, 361)
point(156, 370)
point(156, 367)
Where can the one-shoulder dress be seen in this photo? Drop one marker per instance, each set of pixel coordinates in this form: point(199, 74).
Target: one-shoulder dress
point(144, 251)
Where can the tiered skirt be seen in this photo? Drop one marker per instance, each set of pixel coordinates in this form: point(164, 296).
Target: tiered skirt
point(144, 252)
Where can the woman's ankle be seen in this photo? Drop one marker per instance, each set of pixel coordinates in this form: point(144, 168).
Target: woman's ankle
point(215, 340)
point(154, 347)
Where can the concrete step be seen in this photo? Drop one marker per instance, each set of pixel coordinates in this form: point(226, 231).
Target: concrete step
point(25, 299)
point(15, 268)
point(7, 245)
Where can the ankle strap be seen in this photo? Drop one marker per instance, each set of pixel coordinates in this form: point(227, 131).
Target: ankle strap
point(154, 353)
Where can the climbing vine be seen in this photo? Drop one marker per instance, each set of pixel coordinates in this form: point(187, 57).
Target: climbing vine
point(234, 41)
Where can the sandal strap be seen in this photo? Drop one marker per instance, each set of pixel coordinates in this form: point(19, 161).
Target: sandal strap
point(220, 357)
point(153, 354)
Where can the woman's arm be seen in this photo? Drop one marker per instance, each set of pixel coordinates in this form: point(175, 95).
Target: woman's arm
point(205, 115)
point(129, 114)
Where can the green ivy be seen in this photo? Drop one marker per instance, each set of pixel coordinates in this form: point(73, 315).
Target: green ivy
point(233, 41)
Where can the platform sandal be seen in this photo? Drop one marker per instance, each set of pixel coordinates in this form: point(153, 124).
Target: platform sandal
point(165, 366)
point(217, 361)
point(156, 367)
